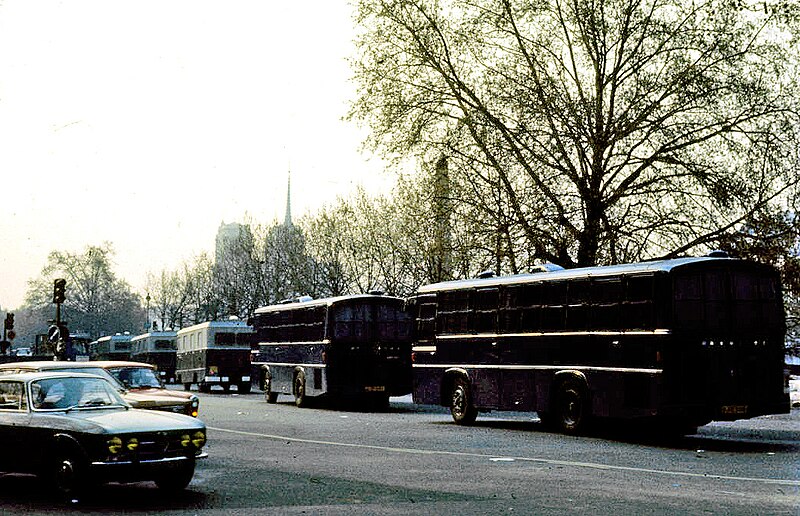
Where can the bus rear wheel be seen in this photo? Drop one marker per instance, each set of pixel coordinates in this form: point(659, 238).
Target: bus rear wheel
point(570, 412)
point(462, 407)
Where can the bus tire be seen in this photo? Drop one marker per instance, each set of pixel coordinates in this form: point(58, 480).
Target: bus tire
point(570, 413)
point(462, 406)
point(299, 389)
point(269, 396)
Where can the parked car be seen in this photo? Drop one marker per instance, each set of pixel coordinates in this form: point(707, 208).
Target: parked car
point(74, 429)
point(23, 352)
point(137, 382)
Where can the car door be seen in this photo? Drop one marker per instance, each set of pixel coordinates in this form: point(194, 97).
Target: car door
point(14, 422)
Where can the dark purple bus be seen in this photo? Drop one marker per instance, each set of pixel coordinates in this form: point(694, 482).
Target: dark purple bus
point(681, 342)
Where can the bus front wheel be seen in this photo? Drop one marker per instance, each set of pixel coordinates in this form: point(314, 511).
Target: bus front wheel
point(300, 398)
point(462, 406)
point(570, 412)
point(270, 396)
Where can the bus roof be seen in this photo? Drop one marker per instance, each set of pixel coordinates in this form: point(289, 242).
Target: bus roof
point(328, 301)
point(118, 337)
point(657, 266)
point(232, 324)
point(162, 334)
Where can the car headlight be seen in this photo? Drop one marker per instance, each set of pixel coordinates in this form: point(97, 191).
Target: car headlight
point(114, 445)
point(198, 439)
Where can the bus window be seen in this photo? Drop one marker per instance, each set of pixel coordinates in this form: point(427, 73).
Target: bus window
point(607, 297)
point(578, 304)
point(639, 302)
point(484, 315)
point(554, 306)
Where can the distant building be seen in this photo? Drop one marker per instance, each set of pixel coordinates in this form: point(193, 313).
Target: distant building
point(229, 235)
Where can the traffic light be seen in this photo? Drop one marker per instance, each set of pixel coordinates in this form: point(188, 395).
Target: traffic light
point(59, 290)
point(9, 321)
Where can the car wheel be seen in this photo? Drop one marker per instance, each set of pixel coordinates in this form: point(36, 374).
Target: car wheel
point(300, 398)
point(570, 413)
point(204, 387)
point(462, 407)
point(177, 479)
point(243, 388)
point(67, 475)
point(187, 386)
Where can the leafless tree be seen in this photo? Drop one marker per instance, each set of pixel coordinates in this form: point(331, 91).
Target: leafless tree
point(604, 130)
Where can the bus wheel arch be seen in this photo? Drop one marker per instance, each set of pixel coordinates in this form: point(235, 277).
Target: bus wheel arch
point(457, 395)
point(570, 405)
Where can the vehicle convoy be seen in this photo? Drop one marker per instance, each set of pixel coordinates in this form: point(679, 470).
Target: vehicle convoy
point(681, 342)
point(74, 429)
point(354, 348)
point(214, 353)
point(137, 382)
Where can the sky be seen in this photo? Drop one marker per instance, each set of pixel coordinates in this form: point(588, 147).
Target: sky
point(149, 123)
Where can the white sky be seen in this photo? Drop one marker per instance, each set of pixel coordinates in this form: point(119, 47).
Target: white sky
point(148, 123)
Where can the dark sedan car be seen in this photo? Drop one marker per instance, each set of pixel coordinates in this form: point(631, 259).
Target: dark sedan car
point(75, 429)
point(138, 382)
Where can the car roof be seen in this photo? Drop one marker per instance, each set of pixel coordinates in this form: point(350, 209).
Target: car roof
point(61, 364)
point(39, 375)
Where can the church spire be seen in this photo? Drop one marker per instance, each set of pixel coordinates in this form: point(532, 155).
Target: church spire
point(287, 221)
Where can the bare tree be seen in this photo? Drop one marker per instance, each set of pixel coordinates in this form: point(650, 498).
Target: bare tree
point(97, 301)
point(609, 130)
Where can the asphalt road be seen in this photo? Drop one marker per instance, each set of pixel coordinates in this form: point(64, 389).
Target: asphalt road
point(278, 459)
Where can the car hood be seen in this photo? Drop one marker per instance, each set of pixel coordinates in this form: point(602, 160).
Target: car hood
point(149, 398)
point(120, 420)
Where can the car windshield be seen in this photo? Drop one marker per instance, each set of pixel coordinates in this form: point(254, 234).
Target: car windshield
point(73, 392)
point(136, 377)
point(99, 371)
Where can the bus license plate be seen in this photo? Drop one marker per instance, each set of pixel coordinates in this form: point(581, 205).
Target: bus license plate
point(734, 410)
point(374, 388)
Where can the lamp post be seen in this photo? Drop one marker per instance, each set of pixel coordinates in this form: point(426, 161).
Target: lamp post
point(147, 308)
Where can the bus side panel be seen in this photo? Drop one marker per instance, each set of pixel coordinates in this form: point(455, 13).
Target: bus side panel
point(190, 366)
point(283, 359)
point(427, 385)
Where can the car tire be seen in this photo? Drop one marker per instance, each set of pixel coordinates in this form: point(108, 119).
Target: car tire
point(177, 479)
point(66, 475)
point(187, 386)
point(462, 406)
point(243, 388)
